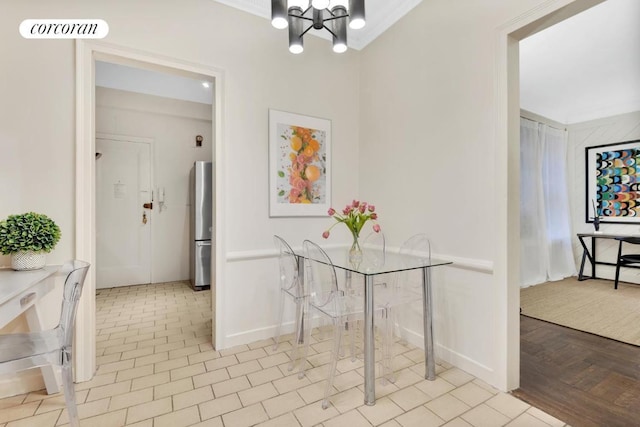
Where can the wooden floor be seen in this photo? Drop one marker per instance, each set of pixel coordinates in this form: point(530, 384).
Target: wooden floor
point(579, 378)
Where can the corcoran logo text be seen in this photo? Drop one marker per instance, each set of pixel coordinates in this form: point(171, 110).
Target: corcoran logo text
point(64, 29)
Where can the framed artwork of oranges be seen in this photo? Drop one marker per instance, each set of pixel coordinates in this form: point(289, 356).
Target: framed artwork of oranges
point(299, 165)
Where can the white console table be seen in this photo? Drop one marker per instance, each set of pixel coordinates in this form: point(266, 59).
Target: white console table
point(19, 293)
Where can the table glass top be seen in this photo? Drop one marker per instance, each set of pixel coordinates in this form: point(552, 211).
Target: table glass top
point(374, 261)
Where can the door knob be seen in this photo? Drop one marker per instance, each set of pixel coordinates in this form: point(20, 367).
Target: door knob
point(148, 205)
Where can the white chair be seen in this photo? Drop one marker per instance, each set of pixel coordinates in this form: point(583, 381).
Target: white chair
point(290, 288)
point(50, 347)
point(328, 301)
point(373, 256)
point(406, 289)
point(374, 249)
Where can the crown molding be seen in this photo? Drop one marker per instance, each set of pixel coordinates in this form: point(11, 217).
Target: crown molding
point(602, 111)
point(381, 14)
point(386, 14)
point(256, 7)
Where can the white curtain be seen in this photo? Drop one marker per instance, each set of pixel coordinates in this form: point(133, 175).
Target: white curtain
point(545, 227)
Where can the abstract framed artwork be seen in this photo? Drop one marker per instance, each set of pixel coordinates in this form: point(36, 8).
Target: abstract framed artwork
point(613, 182)
point(299, 165)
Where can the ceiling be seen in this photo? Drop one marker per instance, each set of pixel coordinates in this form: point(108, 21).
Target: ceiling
point(132, 79)
point(380, 15)
point(585, 67)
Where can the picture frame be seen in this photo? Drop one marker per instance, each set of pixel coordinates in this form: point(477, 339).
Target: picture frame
point(612, 173)
point(299, 165)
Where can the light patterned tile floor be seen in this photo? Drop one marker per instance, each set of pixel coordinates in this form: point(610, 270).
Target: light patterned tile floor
point(157, 368)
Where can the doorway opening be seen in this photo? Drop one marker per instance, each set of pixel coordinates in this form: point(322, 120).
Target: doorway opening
point(507, 265)
point(144, 199)
point(164, 194)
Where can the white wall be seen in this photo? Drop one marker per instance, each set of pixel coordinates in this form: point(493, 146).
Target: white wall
point(37, 125)
point(427, 160)
point(173, 125)
point(36, 150)
point(625, 127)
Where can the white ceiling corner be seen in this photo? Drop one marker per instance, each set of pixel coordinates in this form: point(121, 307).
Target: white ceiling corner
point(256, 7)
point(586, 67)
point(381, 14)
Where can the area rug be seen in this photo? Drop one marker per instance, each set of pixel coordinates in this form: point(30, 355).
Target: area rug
point(590, 306)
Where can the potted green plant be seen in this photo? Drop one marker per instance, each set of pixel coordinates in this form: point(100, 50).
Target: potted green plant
point(27, 237)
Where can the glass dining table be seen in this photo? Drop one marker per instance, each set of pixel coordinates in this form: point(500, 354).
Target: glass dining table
point(375, 263)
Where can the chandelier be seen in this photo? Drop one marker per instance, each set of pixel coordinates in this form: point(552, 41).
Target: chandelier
point(294, 13)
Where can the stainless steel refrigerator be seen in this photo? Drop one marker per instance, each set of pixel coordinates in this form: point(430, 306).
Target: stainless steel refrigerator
point(201, 227)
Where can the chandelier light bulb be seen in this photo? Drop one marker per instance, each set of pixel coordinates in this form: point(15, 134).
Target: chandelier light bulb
point(339, 47)
point(296, 48)
point(295, 30)
point(279, 23)
point(357, 24)
point(339, 29)
point(356, 14)
point(279, 14)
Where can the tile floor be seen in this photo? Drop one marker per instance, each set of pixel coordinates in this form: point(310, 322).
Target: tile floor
point(157, 368)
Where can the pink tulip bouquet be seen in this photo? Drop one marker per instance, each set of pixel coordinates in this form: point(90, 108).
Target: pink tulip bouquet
point(354, 216)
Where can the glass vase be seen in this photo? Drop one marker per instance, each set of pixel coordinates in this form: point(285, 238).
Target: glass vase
point(355, 253)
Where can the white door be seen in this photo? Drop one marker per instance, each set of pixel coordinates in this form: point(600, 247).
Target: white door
point(123, 223)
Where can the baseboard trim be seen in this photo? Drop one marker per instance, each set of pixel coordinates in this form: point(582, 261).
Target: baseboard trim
point(461, 361)
point(21, 383)
point(467, 364)
point(259, 334)
point(246, 337)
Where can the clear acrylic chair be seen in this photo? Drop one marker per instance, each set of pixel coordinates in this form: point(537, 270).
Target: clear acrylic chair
point(328, 301)
point(405, 289)
point(290, 288)
point(53, 346)
point(373, 254)
point(374, 249)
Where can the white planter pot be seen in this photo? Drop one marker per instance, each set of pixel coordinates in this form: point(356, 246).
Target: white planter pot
point(27, 260)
